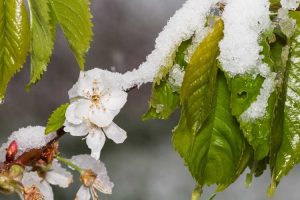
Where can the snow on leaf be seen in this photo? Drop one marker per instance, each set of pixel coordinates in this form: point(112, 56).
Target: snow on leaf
point(288, 154)
point(253, 102)
point(244, 22)
point(165, 97)
point(290, 4)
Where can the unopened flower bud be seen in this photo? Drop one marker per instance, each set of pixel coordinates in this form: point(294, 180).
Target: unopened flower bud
point(11, 151)
point(5, 186)
point(16, 172)
point(88, 177)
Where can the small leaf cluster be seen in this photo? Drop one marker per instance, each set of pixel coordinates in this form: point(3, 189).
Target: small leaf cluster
point(215, 142)
point(32, 30)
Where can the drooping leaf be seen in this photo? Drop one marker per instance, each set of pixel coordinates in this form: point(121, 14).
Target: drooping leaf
point(289, 151)
point(280, 60)
point(74, 17)
point(200, 78)
point(42, 38)
point(57, 119)
point(245, 90)
point(164, 98)
point(218, 153)
point(14, 40)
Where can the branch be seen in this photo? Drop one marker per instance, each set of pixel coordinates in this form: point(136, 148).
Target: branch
point(30, 157)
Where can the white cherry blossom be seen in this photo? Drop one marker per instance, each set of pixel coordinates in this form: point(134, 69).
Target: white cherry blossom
point(95, 138)
point(95, 100)
point(95, 97)
point(94, 178)
point(55, 176)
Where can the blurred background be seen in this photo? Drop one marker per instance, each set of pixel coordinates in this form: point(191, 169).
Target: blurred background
point(145, 167)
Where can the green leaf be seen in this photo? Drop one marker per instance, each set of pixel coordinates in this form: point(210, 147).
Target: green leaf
point(163, 102)
point(289, 151)
point(278, 52)
point(74, 17)
point(245, 90)
point(177, 58)
point(42, 38)
point(197, 91)
point(14, 40)
point(218, 153)
point(57, 119)
point(164, 98)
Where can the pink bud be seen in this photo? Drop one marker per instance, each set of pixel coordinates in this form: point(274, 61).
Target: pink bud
point(11, 151)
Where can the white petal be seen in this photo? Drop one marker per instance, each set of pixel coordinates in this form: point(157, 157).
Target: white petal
point(31, 178)
point(59, 175)
point(73, 92)
point(95, 142)
point(46, 190)
point(76, 130)
point(100, 117)
point(83, 194)
point(115, 100)
point(82, 109)
point(115, 133)
point(71, 115)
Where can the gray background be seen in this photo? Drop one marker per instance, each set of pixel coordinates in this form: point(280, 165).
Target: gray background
point(145, 167)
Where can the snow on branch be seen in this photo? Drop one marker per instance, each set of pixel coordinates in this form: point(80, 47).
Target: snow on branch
point(182, 26)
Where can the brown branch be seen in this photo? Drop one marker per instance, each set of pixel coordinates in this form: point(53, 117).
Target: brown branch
point(30, 157)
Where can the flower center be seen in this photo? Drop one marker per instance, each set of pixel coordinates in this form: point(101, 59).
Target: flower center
point(88, 177)
point(95, 99)
point(33, 193)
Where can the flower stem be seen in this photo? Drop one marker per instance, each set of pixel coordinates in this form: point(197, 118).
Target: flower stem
point(69, 163)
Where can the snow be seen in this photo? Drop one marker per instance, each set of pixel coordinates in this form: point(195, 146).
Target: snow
point(31, 137)
point(244, 22)
point(286, 23)
point(182, 26)
point(290, 4)
point(258, 108)
point(176, 76)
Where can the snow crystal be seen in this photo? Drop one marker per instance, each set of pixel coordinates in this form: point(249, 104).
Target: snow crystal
point(159, 108)
point(31, 137)
point(181, 27)
point(286, 23)
point(244, 22)
point(176, 76)
point(290, 4)
point(258, 108)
